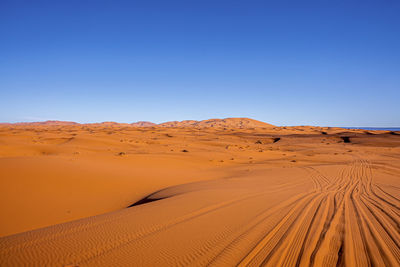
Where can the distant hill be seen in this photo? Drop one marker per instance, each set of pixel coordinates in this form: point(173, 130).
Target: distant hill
point(186, 123)
point(143, 124)
point(219, 123)
point(52, 122)
point(107, 124)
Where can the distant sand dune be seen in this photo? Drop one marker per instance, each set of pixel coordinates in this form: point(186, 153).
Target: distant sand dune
point(227, 123)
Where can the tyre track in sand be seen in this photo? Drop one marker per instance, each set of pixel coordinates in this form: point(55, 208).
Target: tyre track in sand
point(350, 222)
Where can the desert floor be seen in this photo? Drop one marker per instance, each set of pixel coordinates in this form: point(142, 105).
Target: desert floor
point(124, 196)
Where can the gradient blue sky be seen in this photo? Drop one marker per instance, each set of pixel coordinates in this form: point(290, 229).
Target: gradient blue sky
point(327, 63)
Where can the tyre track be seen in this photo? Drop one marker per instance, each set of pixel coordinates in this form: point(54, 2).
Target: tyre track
point(352, 215)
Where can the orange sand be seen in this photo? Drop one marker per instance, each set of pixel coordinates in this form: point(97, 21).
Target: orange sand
point(239, 195)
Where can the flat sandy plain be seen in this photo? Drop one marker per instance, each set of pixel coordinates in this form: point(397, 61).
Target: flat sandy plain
point(118, 195)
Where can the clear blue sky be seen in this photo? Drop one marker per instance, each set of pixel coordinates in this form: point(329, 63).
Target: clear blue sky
point(334, 63)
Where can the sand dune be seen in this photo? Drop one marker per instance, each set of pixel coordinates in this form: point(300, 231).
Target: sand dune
point(221, 123)
point(161, 196)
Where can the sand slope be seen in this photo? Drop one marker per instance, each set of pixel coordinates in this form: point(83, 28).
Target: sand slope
point(292, 196)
